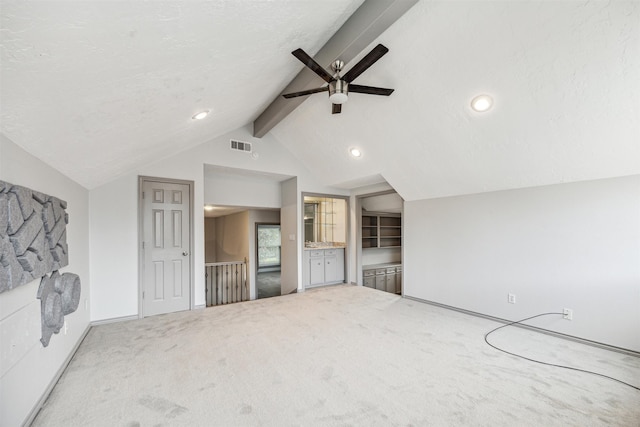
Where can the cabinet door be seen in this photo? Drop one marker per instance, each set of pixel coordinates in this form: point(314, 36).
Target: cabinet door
point(381, 283)
point(316, 271)
point(330, 269)
point(399, 280)
point(370, 282)
point(390, 283)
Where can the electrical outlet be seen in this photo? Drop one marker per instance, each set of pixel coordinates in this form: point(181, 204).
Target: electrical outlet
point(567, 314)
point(511, 299)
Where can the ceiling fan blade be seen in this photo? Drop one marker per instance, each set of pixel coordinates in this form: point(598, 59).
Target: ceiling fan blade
point(336, 109)
point(312, 64)
point(370, 90)
point(366, 62)
point(305, 92)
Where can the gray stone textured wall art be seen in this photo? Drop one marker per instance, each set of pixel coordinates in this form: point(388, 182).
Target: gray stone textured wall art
point(33, 237)
point(59, 295)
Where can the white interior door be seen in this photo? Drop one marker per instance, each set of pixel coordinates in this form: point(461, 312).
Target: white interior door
point(166, 246)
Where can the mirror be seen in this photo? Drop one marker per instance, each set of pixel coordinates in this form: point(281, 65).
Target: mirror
point(324, 220)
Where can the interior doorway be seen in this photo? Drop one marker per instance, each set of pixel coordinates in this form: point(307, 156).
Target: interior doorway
point(379, 240)
point(165, 262)
point(268, 260)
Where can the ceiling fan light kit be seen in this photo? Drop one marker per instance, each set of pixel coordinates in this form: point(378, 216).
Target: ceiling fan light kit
point(339, 87)
point(338, 92)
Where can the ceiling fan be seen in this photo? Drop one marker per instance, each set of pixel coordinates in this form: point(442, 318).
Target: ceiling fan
point(339, 87)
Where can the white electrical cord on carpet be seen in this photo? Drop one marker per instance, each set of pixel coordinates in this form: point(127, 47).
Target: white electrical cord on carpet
point(545, 363)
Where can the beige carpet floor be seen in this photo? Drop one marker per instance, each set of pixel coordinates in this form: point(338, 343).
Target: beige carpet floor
point(335, 356)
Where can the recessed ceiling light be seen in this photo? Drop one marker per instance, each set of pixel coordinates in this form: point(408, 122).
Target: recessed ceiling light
point(201, 115)
point(355, 152)
point(208, 207)
point(481, 103)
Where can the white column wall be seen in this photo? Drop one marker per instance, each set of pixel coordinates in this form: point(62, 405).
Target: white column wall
point(291, 229)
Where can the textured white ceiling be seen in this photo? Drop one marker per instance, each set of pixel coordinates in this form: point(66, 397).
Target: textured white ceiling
point(566, 81)
point(98, 88)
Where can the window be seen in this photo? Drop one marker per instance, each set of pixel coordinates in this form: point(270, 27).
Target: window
point(268, 245)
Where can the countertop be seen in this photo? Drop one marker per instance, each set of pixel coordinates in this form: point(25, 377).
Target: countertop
point(385, 265)
point(320, 248)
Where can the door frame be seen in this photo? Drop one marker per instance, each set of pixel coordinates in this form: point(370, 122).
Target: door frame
point(141, 180)
point(359, 277)
point(257, 247)
point(348, 230)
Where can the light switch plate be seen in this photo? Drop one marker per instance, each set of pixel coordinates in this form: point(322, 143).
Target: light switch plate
point(292, 237)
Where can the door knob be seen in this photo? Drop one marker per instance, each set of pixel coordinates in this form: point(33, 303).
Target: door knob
point(185, 253)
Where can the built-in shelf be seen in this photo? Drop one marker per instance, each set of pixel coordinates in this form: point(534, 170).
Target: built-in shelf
point(381, 230)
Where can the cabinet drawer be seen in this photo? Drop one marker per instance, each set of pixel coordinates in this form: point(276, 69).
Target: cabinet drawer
point(391, 270)
point(369, 273)
point(399, 269)
point(381, 271)
point(330, 252)
point(315, 254)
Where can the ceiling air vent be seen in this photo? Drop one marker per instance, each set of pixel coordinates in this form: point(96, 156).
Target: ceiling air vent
point(241, 146)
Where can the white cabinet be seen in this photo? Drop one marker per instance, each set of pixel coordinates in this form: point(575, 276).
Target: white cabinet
point(330, 268)
point(381, 281)
point(316, 267)
point(323, 267)
point(370, 278)
point(384, 277)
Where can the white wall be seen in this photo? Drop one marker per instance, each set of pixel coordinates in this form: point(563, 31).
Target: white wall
point(114, 249)
point(26, 367)
point(374, 256)
point(114, 215)
point(571, 245)
point(236, 189)
point(291, 226)
point(383, 203)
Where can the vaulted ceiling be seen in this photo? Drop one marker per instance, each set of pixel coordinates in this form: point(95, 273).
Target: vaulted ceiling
point(97, 89)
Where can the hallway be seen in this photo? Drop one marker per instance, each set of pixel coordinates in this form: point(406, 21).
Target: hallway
point(268, 284)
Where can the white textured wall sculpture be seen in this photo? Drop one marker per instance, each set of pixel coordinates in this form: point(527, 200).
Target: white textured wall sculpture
point(33, 238)
point(59, 295)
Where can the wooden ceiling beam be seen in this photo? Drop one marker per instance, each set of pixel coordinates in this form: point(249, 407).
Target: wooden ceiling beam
point(366, 24)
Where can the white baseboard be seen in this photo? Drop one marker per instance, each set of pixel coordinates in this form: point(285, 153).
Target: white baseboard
point(533, 328)
point(114, 320)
